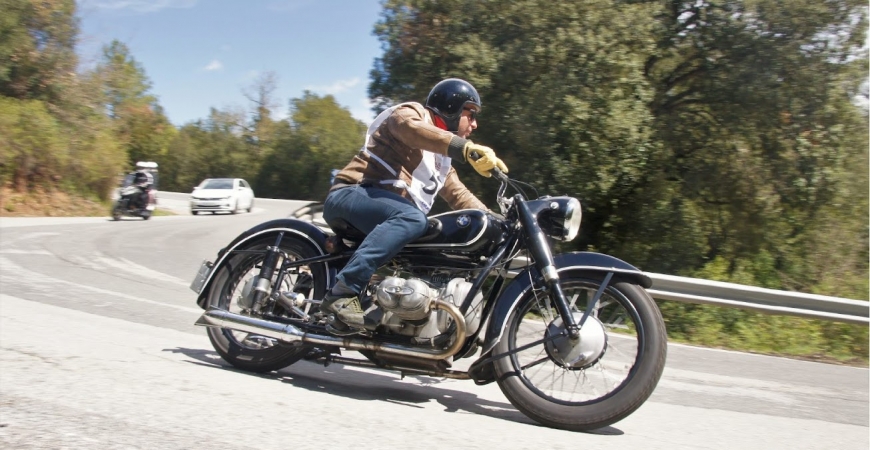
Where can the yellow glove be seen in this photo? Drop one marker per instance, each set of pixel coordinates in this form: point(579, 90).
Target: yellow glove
point(482, 159)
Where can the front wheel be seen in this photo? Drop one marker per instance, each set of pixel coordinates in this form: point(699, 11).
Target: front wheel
point(250, 351)
point(591, 383)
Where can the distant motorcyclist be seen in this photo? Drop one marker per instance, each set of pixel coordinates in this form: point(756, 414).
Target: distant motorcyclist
point(144, 182)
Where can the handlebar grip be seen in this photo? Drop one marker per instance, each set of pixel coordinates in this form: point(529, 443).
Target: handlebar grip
point(496, 172)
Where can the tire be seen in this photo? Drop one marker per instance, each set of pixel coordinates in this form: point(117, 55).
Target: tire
point(194, 212)
point(251, 352)
point(118, 209)
point(235, 209)
point(600, 391)
point(251, 206)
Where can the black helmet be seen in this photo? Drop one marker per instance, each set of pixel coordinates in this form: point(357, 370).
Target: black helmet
point(449, 97)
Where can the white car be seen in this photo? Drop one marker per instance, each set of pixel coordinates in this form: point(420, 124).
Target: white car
point(222, 194)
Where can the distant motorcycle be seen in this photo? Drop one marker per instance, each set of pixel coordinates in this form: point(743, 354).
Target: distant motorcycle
point(137, 194)
point(128, 204)
point(573, 340)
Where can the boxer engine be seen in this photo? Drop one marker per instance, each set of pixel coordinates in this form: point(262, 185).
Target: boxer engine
point(406, 304)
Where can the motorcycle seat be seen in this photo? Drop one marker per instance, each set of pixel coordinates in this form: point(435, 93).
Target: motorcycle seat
point(345, 230)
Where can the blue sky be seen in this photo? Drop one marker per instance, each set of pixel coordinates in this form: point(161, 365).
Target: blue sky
point(201, 54)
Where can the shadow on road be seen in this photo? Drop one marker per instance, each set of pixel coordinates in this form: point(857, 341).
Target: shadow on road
point(386, 386)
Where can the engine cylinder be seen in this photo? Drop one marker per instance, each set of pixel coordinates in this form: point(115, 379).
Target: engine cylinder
point(408, 299)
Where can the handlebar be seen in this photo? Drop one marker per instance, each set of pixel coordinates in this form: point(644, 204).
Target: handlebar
point(495, 172)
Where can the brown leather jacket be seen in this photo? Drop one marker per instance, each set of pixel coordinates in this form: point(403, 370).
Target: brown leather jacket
point(398, 142)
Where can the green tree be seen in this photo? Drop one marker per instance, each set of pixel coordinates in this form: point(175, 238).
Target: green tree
point(32, 144)
point(37, 48)
point(710, 139)
point(756, 121)
point(564, 97)
point(51, 136)
point(141, 125)
point(320, 136)
point(689, 130)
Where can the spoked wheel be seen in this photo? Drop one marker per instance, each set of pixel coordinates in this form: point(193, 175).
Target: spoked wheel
point(249, 351)
point(595, 381)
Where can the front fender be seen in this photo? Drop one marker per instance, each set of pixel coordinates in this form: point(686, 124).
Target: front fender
point(307, 232)
point(565, 262)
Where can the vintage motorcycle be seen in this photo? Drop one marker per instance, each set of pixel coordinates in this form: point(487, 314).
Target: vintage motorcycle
point(573, 340)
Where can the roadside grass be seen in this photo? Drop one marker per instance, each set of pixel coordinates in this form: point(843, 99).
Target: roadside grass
point(41, 203)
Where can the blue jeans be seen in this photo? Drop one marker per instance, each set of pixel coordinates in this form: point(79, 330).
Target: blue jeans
point(389, 220)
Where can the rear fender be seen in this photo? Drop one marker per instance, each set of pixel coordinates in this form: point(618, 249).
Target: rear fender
point(565, 263)
point(307, 233)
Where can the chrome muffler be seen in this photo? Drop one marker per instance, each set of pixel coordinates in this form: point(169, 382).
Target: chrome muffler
point(290, 334)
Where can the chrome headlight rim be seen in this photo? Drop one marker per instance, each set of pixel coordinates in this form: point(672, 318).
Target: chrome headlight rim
point(573, 217)
point(559, 217)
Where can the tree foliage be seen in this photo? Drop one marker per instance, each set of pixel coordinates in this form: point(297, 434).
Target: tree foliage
point(37, 48)
point(319, 136)
point(713, 139)
point(691, 131)
point(140, 123)
point(51, 136)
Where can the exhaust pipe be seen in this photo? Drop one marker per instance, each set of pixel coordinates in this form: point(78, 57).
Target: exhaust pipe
point(290, 334)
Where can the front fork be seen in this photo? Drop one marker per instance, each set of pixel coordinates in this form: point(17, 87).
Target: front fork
point(543, 257)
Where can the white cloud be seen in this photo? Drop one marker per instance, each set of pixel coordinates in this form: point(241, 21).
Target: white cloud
point(213, 65)
point(140, 6)
point(334, 88)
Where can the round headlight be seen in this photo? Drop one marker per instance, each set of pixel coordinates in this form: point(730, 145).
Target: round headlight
point(573, 215)
point(559, 217)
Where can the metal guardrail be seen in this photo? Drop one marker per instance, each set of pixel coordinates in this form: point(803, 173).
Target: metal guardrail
point(731, 295)
point(770, 301)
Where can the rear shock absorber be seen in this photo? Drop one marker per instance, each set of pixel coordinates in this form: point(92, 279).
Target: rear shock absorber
point(263, 286)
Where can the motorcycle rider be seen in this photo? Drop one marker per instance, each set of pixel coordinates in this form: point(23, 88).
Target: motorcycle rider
point(389, 186)
point(143, 180)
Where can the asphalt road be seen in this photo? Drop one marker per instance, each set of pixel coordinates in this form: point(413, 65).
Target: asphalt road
point(98, 351)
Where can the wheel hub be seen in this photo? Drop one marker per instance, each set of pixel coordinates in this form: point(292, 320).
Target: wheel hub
point(579, 353)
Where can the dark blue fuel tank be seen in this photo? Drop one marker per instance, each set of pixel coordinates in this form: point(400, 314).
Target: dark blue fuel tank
point(463, 231)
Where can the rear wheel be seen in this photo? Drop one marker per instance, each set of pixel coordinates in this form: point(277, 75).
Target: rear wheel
point(596, 381)
point(250, 351)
